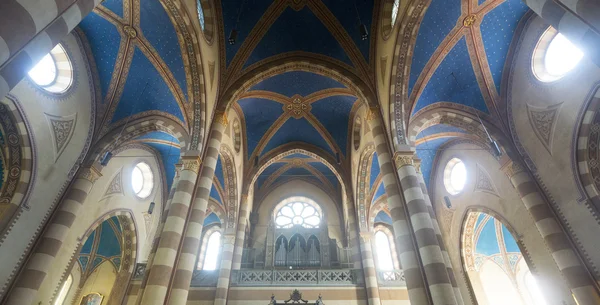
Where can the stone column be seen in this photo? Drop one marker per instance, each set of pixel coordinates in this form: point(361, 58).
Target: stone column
point(241, 232)
point(35, 270)
point(427, 241)
point(158, 233)
point(574, 272)
point(225, 269)
point(582, 31)
point(186, 259)
point(587, 10)
point(368, 264)
point(438, 233)
point(30, 29)
point(159, 274)
point(413, 271)
point(353, 239)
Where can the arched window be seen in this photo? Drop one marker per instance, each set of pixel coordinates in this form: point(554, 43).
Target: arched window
point(64, 290)
point(298, 211)
point(383, 252)
point(213, 248)
point(395, 9)
point(554, 56)
point(142, 180)
point(200, 13)
point(54, 72)
point(455, 176)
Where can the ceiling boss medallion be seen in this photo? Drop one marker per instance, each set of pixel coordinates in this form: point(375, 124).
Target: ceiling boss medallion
point(469, 20)
point(297, 107)
point(130, 31)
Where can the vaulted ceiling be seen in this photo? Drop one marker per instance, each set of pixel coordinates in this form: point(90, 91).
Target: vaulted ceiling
point(103, 244)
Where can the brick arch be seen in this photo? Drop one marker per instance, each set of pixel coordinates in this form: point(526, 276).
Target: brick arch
point(135, 129)
point(363, 185)
point(19, 164)
point(231, 188)
point(129, 252)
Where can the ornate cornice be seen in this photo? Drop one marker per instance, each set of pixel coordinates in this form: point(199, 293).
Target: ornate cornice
point(221, 118)
point(512, 168)
point(92, 174)
point(191, 163)
point(404, 158)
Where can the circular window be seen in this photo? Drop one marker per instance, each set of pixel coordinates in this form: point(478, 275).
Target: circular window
point(298, 211)
point(54, 72)
point(142, 180)
point(455, 176)
point(395, 8)
point(554, 56)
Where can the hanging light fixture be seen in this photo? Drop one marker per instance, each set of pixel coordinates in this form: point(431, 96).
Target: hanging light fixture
point(362, 28)
point(234, 33)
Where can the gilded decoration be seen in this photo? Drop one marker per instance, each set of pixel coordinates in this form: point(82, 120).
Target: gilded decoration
point(297, 107)
point(469, 20)
point(402, 159)
point(221, 118)
point(191, 163)
point(90, 173)
point(372, 113)
point(130, 31)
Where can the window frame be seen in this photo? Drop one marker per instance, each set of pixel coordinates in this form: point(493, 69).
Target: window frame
point(298, 199)
point(538, 58)
point(215, 228)
point(64, 76)
point(381, 228)
point(148, 183)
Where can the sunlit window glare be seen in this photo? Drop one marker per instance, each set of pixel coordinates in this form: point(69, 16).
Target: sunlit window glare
point(44, 73)
point(383, 252)
point(142, 180)
point(200, 13)
point(62, 295)
point(298, 213)
point(534, 289)
point(395, 9)
point(458, 176)
point(561, 56)
point(212, 251)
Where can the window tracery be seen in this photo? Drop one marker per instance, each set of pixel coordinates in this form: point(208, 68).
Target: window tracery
point(298, 213)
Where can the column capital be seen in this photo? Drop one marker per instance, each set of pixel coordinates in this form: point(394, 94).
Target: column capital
point(221, 118)
point(417, 164)
point(365, 237)
point(372, 114)
point(191, 163)
point(229, 239)
point(402, 158)
point(91, 173)
point(511, 168)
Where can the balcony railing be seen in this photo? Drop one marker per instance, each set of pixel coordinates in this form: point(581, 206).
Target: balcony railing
point(391, 278)
point(337, 277)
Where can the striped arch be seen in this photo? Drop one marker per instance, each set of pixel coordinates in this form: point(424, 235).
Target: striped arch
point(231, 189)
point(448, 116)
point(363, 185)
point(587, 151)
point(205, 236)
point(136, 129)
point(128, 259)
point(386, 18)
point(18, 162)
point(379, 206)
point(217, 209)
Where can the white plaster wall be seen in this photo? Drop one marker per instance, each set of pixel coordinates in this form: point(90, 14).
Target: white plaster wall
point(555, 168)
point(50, 175)
point(98, 204)
point(506, 203)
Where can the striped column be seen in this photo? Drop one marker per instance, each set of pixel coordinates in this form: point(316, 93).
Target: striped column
point(368, 264)
point(162, 268)
point(240, 237)
point(413, 271)
point(34, 272)
point(29, 29)
point(354, 245)
point(573, 27)
point(427, 240)
point(586, 10)
point(225, 269)
point(575, 274)
point(158, 233)
point(186, 259)
point(438, 233)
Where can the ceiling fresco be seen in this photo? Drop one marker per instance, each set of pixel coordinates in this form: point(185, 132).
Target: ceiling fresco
point(103, 244)
point(139, 61)
point(459, 56)
point(297, 107)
